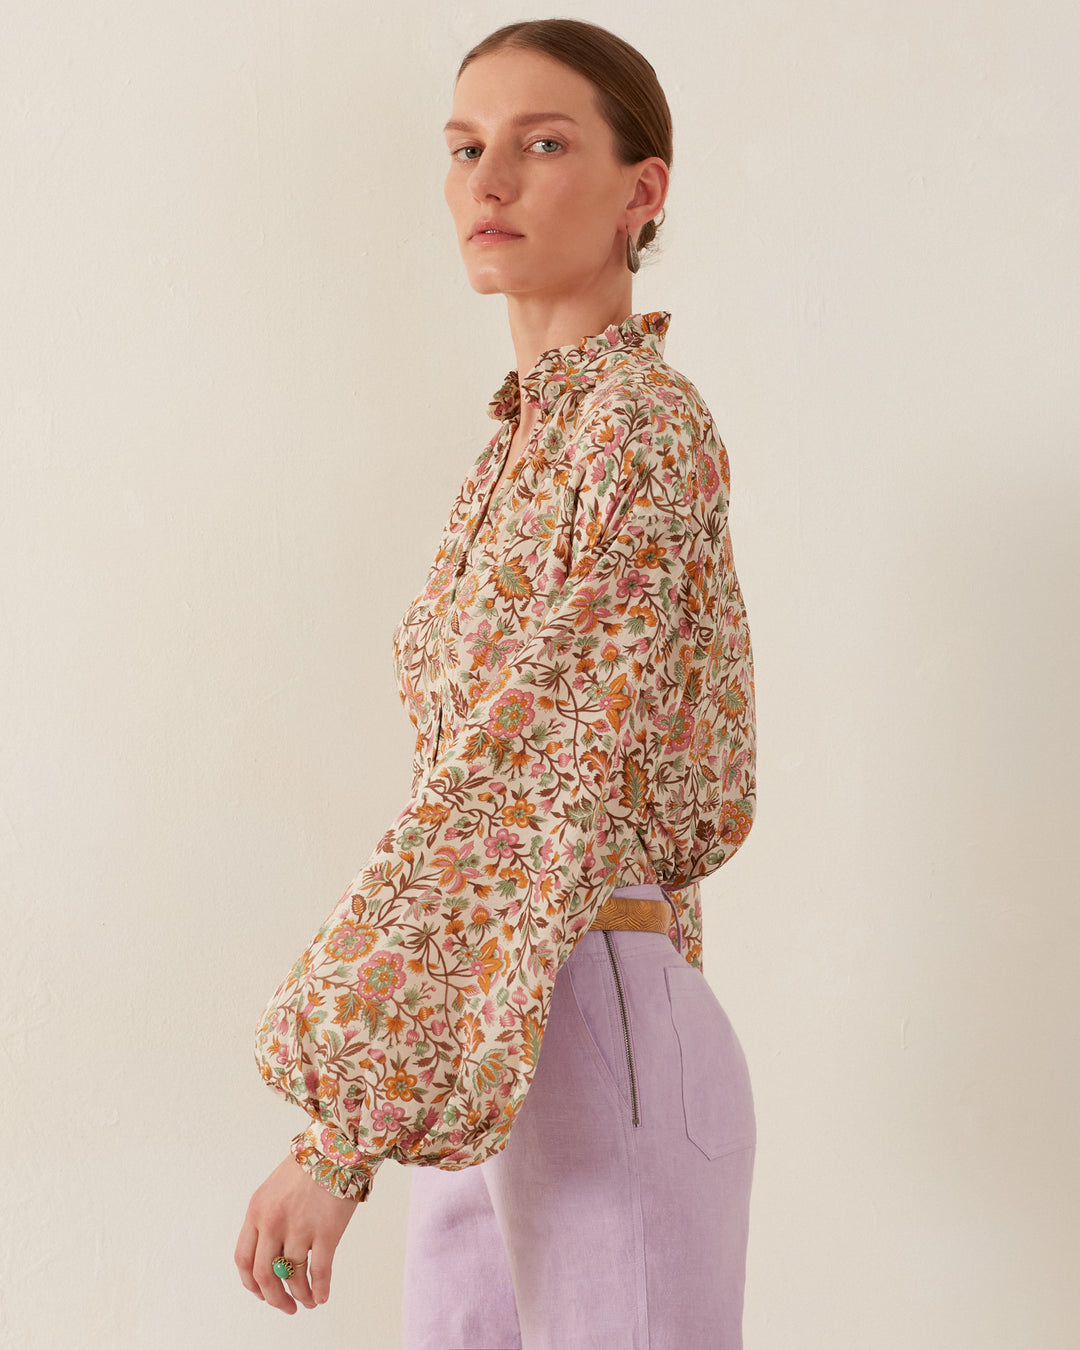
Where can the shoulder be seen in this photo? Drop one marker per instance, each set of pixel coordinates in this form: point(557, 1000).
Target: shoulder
point(647, 422)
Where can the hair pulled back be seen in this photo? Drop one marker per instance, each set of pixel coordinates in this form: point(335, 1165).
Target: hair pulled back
point(628, 94)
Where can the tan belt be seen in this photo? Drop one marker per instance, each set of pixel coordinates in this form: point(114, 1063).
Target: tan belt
point(633, 911)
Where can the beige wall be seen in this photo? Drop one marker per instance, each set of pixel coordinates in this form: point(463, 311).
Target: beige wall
point(243, 372)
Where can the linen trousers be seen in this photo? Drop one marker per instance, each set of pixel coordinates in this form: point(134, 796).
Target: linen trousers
point(588, 1231)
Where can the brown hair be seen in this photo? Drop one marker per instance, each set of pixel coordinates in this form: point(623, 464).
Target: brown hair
point(628, 94)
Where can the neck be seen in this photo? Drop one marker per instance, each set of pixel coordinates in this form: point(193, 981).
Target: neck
point(538, 323)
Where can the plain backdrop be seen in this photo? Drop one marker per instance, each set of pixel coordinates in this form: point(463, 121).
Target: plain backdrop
point(242, 374)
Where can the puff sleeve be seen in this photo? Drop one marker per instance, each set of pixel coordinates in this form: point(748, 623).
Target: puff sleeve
point(411, 1026)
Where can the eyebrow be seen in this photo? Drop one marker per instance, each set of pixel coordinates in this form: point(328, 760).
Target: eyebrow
point(524, 119)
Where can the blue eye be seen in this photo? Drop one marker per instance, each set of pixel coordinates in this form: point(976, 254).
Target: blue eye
point(456, 154)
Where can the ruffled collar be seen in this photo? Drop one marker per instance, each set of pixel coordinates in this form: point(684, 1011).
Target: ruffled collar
point(577, 366)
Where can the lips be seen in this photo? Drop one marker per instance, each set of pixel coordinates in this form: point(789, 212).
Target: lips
point(492, 226)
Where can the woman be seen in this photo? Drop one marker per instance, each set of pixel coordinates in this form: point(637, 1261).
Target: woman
point(579, 671)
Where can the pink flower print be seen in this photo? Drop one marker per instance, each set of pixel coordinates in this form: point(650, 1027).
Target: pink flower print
point(349, 941)
point(382, 976)
point(492, 647)
point(632, 586)
point(336, 1146)
point(708, 478)
point(703, 739)
point(456, 868)
point(588, 602)
point(511, 713)
point(502, 845)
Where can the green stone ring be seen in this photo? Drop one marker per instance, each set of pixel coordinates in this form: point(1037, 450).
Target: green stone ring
point(284, 1268)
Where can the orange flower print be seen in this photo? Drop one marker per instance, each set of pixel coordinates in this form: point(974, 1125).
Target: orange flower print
point(512, 582)
point(470, 1031)
point(615, 701)
point(480, 691)
point(733, 703)
point(309, 1016)
point(519, 812)
point(481, 919)
point(349, 941)
point(734, 825)
point(488, 965)
point(466, 591)
point(400, 1085)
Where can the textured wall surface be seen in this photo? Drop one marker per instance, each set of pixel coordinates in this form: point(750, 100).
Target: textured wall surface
point(241, 374)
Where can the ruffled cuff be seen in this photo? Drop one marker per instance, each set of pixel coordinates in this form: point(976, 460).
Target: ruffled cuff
point(330, 1159)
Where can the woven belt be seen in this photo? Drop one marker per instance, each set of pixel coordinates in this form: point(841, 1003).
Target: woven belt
point(637, 912)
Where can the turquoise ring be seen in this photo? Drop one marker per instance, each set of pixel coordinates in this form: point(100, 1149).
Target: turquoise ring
point(284, 1268)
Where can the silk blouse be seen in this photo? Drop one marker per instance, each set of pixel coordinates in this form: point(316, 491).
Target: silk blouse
point(579, 672)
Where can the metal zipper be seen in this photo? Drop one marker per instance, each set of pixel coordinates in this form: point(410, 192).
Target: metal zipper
point(626, 1026)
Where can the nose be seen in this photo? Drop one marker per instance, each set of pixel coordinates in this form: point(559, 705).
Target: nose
point(492, 177)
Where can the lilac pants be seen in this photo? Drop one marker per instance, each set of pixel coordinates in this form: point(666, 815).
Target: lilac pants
point(616, 1216)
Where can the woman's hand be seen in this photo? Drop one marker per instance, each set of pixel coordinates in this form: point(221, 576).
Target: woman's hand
point(289, 1215)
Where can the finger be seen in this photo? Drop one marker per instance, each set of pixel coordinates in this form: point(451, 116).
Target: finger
point(273, 1286)
point(319, 1268)
point(244, 1256)
point(298, 1280)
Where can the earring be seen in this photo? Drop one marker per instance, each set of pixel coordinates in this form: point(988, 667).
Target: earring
point(633, 258)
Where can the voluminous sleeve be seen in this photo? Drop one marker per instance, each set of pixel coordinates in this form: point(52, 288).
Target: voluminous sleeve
point(411, 1026)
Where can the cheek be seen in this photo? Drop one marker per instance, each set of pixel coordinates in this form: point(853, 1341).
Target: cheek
point(581, 200)
point(455, 194)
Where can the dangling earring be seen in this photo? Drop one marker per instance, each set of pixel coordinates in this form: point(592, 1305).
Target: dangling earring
point(633, 258)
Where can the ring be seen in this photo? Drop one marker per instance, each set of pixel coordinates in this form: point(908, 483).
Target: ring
point(284, 1268)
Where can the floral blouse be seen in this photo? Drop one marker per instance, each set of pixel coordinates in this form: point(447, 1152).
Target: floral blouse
point(579, 672)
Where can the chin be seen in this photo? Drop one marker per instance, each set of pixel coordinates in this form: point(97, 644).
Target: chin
point(485, 285)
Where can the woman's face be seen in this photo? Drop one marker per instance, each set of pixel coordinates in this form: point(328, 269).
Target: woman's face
point(553, 181)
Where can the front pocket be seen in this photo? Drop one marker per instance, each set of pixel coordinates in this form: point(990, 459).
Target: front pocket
point(624, 1018)
point(718, 1103)
point(596, 997)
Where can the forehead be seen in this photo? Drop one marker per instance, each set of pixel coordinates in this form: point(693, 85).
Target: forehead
point(509, 87)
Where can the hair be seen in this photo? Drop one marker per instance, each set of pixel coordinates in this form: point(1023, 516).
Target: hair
point(628, 94)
